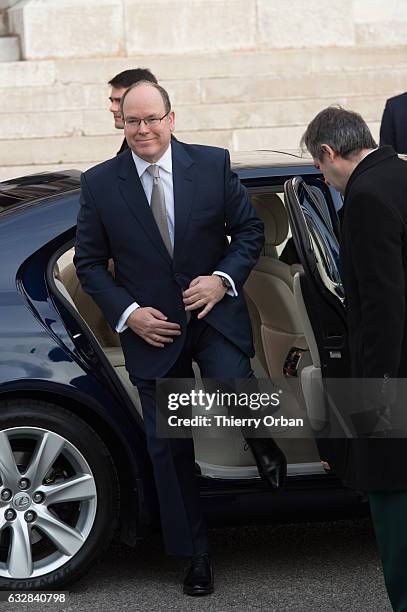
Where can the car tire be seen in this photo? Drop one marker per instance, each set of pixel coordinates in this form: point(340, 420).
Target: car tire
point(32, 426)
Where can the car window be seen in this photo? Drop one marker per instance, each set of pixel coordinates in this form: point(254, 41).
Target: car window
point(323, 240)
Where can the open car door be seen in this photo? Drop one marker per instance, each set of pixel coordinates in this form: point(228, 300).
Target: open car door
point(319, 294)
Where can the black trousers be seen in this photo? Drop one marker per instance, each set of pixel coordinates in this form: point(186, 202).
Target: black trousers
point(389, 513)
point(183, 524)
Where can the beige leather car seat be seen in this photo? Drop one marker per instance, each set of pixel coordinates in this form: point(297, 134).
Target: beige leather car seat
point(270, 288)
point(68, 284)
point(87, 307)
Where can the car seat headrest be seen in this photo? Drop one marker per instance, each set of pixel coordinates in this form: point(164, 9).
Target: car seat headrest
point(272, 212)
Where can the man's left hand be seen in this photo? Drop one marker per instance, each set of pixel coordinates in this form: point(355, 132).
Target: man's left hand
point(204, 291)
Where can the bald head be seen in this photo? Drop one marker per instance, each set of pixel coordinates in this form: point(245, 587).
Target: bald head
point(151, 138)
point(148, 84)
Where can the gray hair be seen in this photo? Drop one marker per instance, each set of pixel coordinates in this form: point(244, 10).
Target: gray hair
point(343, 130)
point(161, 90)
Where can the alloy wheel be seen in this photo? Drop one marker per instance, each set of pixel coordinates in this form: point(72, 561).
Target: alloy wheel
point(48, 501)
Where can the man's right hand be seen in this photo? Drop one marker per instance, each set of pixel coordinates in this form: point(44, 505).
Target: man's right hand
point(152, 325)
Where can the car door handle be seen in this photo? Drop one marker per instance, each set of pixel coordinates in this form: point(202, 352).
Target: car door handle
point(85, 348)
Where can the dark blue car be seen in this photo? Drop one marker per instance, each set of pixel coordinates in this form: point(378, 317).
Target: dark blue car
point(74, 471)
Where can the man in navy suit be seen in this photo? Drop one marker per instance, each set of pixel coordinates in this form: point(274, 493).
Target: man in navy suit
point(163, 211)
point(393, 129)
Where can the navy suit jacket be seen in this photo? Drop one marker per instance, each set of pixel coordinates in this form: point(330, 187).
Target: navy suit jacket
point(393, 129)
point(115, 221)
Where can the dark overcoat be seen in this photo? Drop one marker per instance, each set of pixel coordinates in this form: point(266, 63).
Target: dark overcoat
point(393, 129)
point(374, 271)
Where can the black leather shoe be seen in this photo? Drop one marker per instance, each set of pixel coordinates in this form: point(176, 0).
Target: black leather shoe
point(199, 576)
point(270, 460)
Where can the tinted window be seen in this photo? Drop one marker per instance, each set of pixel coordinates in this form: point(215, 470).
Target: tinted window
point(324, 243)
point(36, 186)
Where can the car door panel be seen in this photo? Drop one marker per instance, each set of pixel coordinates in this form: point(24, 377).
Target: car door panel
point(320, 299)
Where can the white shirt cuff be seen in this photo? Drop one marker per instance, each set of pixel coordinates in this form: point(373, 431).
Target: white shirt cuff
point(121, 323)
point(232, 291)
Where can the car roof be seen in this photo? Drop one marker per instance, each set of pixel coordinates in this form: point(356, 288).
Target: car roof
point(25, 189)
point(33, 187)
point(268, 158)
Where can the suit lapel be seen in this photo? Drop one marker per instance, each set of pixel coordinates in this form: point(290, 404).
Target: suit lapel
point(135, 198)
point(184, 183)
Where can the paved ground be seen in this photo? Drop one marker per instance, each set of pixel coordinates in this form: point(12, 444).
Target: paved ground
point(296, 568)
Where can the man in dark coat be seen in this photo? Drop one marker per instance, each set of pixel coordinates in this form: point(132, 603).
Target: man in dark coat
point(374, 274)
point(393, 129)
point(163, 210)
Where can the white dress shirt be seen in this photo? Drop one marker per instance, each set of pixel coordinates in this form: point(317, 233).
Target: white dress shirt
point(165, 168)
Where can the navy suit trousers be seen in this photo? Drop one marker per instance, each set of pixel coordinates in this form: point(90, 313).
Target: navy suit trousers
point(183, 524)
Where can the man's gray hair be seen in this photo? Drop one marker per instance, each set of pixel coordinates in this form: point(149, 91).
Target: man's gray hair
point(161, 90)
point(343, 130)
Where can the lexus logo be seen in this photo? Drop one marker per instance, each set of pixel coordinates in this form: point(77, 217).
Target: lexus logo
point(22, 501)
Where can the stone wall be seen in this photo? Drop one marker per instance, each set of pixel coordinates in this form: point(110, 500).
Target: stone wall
point(101, 28)
point(54, 112)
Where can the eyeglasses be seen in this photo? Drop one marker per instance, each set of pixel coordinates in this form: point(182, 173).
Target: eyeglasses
point(150, 121)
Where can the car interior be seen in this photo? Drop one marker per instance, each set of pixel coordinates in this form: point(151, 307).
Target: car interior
point(284, 343)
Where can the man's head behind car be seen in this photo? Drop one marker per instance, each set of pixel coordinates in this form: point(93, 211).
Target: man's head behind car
point(120, 83)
